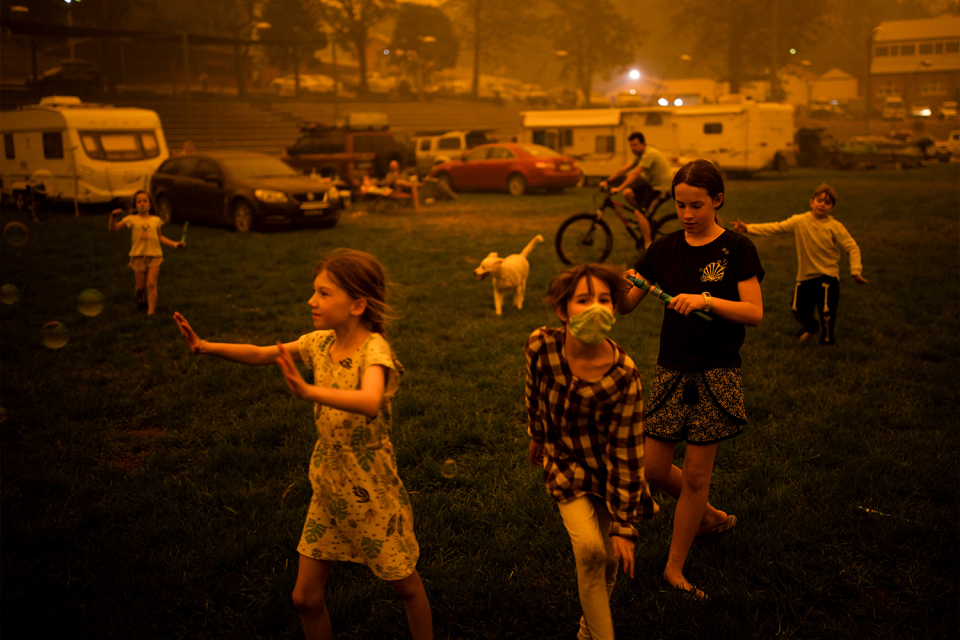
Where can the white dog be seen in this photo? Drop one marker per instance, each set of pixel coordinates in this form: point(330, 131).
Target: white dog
point(509, 274)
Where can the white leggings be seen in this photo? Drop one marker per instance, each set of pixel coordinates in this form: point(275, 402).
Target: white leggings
point(588, 522)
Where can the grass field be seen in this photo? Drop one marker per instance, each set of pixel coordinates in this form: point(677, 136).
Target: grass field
point(147, 493)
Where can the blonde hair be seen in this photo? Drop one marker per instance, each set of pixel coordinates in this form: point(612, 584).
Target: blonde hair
point(360, 275)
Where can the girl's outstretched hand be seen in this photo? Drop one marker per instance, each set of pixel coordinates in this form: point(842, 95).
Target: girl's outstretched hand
point(188, 334)
point(740, 226)
point(298, 386)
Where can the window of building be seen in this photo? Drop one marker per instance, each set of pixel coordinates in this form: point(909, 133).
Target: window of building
point(880, 52)
point(908, 50)
point(887, 88)
point(605, 144)
point(654, 119)
point(933, 88)
point(713, 127)
point(53, 145)
point(8, 145)
point(953, 47)
point(926, 48)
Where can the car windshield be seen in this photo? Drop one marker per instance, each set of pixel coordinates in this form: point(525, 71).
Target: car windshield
point(265, 167)
point(538, 151)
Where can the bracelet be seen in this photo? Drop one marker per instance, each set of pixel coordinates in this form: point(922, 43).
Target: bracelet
point(708, 300)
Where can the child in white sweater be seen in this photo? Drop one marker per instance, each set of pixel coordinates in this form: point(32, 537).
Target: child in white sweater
point(820, 241)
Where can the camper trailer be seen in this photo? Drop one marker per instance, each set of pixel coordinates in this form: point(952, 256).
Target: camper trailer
point(743, 138)
point(66, 149)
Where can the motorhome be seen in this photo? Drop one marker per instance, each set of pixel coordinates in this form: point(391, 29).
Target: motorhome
point(742, 138)
point(66, 149)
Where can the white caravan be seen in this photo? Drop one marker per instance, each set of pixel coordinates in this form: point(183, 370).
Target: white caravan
point(66, 149)
point(742, 138)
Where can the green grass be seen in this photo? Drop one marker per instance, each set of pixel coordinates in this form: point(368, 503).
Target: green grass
point(148, 493)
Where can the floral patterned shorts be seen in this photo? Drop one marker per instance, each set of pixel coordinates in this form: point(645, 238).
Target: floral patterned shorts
point(700, 407)
point(144, 263)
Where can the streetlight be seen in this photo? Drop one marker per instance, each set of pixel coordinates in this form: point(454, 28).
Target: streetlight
point(634, 74)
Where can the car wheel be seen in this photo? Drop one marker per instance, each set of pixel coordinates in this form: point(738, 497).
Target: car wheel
point(516, 184)
point(165, 209)
point(446, 180)
point(243, 216)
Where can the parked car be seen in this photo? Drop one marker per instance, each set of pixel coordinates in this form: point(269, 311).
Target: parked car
point(920, 109)
point(511, 167)
point(363, 147)
point(244, 190)
point(73, 77)
point(309, 83)
point(893, 109)
point(947, 111)
point(954, 141)
point(432, 150)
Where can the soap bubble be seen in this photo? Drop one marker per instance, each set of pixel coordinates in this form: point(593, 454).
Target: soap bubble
point(15, 233)
point(9, 294)
point(449, 469)
point(55, 335)
point(90, 302)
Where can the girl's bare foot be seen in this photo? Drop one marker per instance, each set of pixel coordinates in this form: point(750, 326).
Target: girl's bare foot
point(681, 583)
point(711, 520)
point(805, 336)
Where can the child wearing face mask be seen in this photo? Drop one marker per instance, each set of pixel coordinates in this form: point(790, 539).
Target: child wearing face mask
point(585, 404)
point(146, 256)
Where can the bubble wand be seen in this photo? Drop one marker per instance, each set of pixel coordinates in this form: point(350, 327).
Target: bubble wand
point(183, 236)
point(657, 291)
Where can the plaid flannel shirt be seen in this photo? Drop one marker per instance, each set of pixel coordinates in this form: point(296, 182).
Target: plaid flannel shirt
point(592, 431)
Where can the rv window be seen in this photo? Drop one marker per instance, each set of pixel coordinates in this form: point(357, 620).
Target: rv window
point(448, 143)
point(8, 145)
point(880, 52)
point(908, 50)
point(713, 127)
point(150, 147)
point(953, 47)
point(654, 119)
point(90, 145)
point(120, 146)
point(53, 145)
point(425, 144)
point(606, 144)
point(926, 48)
point(116, 145)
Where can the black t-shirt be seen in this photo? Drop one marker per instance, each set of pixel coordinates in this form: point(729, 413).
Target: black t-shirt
point(689, 343)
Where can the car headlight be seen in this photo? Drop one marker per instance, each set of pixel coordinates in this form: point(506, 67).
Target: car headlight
point(333, 195)
point(266, 195)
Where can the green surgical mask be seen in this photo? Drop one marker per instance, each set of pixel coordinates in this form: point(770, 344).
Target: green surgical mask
point(592, 325)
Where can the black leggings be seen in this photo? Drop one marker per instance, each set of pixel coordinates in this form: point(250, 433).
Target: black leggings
point(821, 294)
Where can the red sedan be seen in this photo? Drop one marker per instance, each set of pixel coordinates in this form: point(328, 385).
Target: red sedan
point(509, 167)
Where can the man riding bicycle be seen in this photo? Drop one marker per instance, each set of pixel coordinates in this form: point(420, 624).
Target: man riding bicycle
point(646, 178)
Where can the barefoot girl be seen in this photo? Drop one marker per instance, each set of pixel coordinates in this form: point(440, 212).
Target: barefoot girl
point(697, 393)
point(585, 405)
point(146, 256)
point(360, 511)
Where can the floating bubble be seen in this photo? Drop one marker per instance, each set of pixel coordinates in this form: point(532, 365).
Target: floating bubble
point(9, 294)
point(90, 302)
point(55, 335)
point(3, 415)
point(449, 469)
point(15, 233)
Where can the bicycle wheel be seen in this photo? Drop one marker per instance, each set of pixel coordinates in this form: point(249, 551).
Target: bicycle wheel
point(583, 238)
point(665, 225)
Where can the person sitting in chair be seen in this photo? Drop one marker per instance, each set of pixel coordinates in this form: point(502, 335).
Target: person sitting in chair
point(647, 178)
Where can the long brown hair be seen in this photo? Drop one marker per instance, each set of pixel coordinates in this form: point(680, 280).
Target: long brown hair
point(564, 285)
point(132, 209)
point(360, 275)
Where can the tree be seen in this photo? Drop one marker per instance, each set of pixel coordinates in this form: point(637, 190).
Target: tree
point(582, 30)
point(739, 35)
point(351, 21)
point(496, 27)
point(299, 23)
point(423, 42)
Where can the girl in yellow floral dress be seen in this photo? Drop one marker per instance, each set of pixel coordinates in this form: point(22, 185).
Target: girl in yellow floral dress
point(360, 511)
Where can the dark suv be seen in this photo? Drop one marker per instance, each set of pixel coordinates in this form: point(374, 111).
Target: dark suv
point(350, 153)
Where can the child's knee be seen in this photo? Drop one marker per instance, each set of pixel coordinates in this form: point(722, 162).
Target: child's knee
point(591, 556)
point(408, 588)
point(309, 599)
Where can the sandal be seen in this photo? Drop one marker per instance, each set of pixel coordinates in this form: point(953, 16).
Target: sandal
point(721, 528)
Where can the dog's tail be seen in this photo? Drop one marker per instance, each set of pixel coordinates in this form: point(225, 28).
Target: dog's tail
point(530, 245)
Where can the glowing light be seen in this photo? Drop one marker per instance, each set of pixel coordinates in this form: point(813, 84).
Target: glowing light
point(9, 294)
point(15, 233)
point(633, 92)
point(90, 303)
point(793, 51)
point(55, 335)
point(663, 102)
point(449, 469)
point(386, 52)
point(634, 74)
point(678, 102)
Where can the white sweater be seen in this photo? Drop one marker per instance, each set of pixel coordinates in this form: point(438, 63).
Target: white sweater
point(819, 244)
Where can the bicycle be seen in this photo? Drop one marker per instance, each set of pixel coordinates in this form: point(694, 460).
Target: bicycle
point(586, 237)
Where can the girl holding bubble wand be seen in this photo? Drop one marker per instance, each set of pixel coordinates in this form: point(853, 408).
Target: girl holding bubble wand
point(360, 511)
point(146, 255)
point(697, 392)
